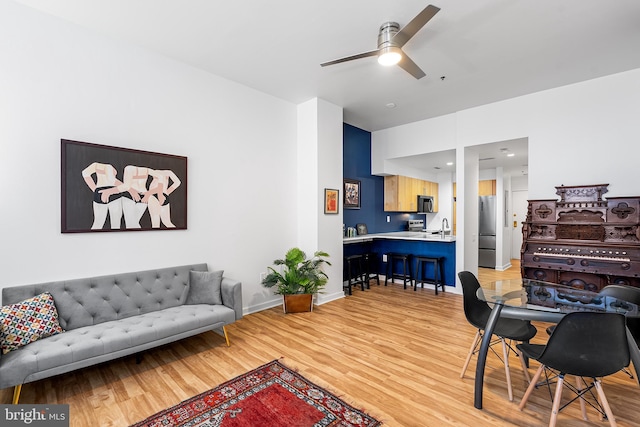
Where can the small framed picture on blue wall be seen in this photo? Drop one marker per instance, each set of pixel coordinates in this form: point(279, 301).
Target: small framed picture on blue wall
point(351, 194)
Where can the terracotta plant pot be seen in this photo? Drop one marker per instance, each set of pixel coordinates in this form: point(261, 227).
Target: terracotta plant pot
point(297, 303)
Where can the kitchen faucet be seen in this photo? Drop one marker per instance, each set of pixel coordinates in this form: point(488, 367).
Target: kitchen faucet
point(444, 221)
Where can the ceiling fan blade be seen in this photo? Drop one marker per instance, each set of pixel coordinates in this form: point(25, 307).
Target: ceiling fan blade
point(351, 58)
point(411, 67)
point(415, 25)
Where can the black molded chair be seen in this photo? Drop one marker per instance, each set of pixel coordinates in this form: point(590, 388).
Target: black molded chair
point(477, 313)
point(584, 344)
point(629, 294)
point(625, 293)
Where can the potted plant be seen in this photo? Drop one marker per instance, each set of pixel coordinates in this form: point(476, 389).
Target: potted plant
point(298, 280)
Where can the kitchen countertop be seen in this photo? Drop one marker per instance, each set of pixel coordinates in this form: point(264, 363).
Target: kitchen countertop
point(401, 235)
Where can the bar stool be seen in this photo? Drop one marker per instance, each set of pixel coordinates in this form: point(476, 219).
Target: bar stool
point(371, 268)
point(405, 274)
point(437, 279)
point(354, 273)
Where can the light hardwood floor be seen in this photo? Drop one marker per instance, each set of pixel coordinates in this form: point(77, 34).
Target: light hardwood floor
point(395, 353)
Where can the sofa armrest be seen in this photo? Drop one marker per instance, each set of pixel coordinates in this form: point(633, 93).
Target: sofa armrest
point(232, 295)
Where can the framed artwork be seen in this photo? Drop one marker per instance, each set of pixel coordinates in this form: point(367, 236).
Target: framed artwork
point(330, 201)
point(351, 194)
point(107, 188)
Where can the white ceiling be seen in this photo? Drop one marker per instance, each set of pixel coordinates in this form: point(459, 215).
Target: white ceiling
point(473, 52)
point(512, 156)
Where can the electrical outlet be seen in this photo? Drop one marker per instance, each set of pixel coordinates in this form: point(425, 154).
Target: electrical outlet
point(263, 276)
point(388, 218)
point(384, 257)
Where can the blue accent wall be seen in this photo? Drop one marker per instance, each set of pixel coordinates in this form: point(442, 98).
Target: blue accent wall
point(357, 165)
point(431, 248)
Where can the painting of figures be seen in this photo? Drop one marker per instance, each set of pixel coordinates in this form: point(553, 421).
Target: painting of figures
point(108, 188)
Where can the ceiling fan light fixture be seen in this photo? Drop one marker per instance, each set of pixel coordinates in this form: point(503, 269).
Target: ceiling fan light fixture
point(391, 39)
point(389, 55)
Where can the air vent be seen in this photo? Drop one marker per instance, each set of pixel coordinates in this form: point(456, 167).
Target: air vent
point(487, 158)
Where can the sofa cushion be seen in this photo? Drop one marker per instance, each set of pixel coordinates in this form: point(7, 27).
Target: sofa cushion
point(27, 321)
point(86, 346)
point(204, 287)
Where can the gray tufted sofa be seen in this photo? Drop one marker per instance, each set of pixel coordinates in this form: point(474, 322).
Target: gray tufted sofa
point(108, 317)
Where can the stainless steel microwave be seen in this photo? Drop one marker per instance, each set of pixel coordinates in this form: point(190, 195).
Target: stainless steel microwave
point(425, 204)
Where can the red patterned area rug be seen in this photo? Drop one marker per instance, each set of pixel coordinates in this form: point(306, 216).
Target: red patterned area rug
point(271, 395)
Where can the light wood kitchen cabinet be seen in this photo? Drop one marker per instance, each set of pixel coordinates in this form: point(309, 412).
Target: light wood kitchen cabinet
point(487, 187)
point(401, 193)
point(397, 194)
point(434, 193)
point(428, 188)
point(407, 200)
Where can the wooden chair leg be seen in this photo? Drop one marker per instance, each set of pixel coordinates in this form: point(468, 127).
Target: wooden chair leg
point(532, 385)
point(583, 407)
point(605, 403)
point(556, 402)
point(507, 371)
point(525, 369)
point(471, 350)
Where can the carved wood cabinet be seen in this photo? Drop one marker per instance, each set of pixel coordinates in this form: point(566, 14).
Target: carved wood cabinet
point(582, 240)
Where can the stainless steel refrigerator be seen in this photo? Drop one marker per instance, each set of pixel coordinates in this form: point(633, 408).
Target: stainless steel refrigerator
point(487, 232)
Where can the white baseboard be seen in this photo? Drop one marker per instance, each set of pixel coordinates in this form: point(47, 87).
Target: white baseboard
point(504, 267)
point(263, 306)
point(319, 300)
point(325, 298)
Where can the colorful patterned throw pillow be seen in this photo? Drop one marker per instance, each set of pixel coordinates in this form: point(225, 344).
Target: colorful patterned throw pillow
point(27, 321)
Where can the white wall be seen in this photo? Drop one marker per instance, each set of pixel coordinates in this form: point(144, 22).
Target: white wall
point(319, 161)
point(585, 133)
point(437, 134)
point(58, 81)
point(329, 227)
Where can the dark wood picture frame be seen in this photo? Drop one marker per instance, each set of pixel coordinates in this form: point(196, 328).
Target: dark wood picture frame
point(331, 201)
point(105, 188)
point(352, 194)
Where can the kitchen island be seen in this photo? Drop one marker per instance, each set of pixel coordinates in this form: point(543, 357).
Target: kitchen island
point(408, 242)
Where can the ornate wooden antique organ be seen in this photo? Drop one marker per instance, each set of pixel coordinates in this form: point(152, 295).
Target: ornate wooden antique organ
point(582, 240)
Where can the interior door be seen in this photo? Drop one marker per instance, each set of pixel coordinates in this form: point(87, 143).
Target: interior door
point(519, 209)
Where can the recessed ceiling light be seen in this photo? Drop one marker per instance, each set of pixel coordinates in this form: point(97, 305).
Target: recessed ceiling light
point(449, 163)
point(391, 105)
point(510, 155)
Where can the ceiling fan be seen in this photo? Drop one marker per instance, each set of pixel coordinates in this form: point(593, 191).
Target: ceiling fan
point(390, 41)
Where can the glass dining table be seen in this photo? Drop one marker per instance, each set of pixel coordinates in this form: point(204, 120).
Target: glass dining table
point(546, 302)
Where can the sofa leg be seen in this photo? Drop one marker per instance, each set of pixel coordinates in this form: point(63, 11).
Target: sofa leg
point(226, 336)
point(16, 394)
